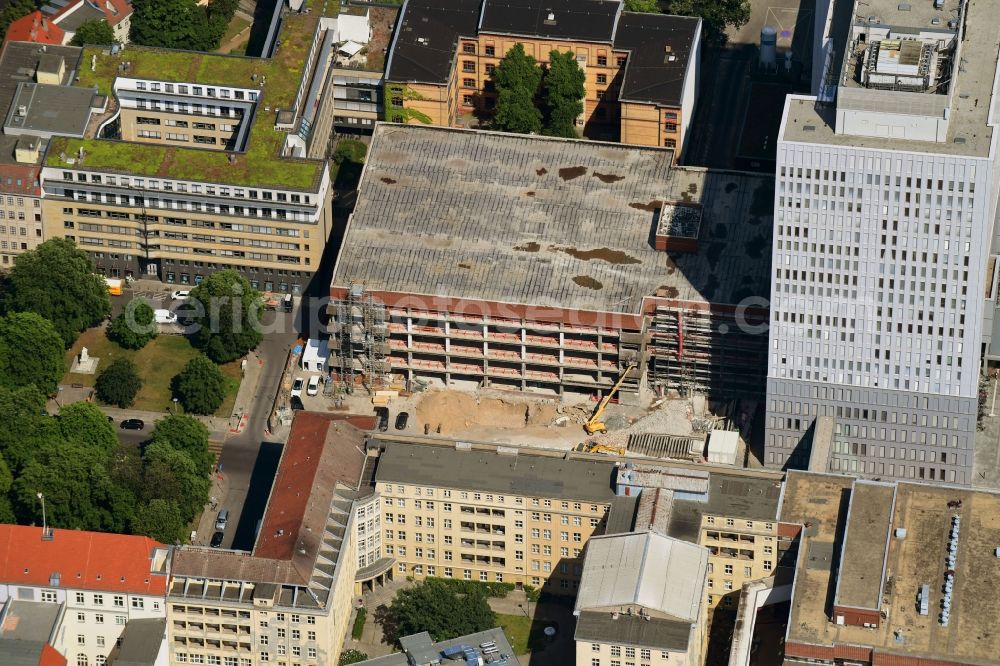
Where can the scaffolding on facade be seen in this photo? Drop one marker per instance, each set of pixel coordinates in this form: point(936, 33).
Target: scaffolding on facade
point(360, 332)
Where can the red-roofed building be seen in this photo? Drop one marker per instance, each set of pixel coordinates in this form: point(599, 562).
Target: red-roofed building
point(318, 541)
point(35, 27)
point(57, 25)
point(96, 582)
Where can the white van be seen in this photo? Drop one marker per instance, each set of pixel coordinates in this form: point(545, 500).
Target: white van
point(313, 388)
point(222, 520)
point(164, 317)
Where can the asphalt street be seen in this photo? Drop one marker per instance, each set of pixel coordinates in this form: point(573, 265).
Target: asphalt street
point(240, 453)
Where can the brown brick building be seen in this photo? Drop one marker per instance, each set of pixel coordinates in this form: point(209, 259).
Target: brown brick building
point(641, 69)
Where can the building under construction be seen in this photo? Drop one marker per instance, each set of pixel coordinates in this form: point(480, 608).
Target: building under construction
point(550, 265)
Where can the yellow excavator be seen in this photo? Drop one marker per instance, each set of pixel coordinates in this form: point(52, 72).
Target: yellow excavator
point(595, 424)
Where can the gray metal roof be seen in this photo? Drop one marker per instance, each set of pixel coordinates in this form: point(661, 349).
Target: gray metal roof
point(30, 620)
point(141, 641)
point(654, 633)
point(662, 575)
point(526, 474)
point(731, 495)
point(50, 110)
point(546, 222)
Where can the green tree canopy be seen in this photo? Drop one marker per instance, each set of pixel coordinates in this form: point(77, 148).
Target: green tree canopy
point(181, 24)
point(717, 14)
point(228, 325)
point(159, 519)
point(84, 423)
point(94, 32)
point(563, 94)
point(349, 156)
point(57, 281)
point(119, 383)
point(79, 492)
point(13, 11)
point(31, 352)
point(200, 387)
point(644, 6)
point(436, 608)
point(517, 78)
point(134, 327)
point(171, 474)
point(188, 434)
point(23, 422)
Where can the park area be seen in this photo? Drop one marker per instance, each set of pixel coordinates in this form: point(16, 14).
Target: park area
point(158, 362)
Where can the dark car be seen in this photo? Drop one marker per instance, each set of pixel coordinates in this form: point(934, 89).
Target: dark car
point(401, 420)
point(296, 403)
point(132, 424)
point(217, 539)
point(383, 418)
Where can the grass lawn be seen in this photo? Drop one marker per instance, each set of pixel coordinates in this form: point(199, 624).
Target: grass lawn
point(157, 363)
point(523, 634)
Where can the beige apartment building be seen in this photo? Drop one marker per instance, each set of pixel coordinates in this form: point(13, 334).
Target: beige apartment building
point(289, 601)
point(490, 515)
point(641, 70)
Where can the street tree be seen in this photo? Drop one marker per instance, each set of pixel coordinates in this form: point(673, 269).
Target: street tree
point(31, 352)
point(517, 78)
point(135, 327)
point(57, 281)
point(119, 383)
point(94, 32)
point(188, 434)
point(200, 387)
point(171, 474)
point(437, 608)
point(159, 519)
point(84, 423)
point(227, 323)
point(174, 24)
point(563, 94)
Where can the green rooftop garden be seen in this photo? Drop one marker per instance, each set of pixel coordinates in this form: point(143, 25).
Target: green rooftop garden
point(277, 78)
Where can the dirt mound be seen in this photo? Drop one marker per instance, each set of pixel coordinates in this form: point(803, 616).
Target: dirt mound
point(448, 412)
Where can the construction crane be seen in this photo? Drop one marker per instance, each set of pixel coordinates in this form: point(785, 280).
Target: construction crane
point(595, 424)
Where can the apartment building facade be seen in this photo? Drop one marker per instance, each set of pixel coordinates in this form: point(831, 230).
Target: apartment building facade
point(884, 212)
point(470, 515)
point(641, 70)
point(101, 581)
point(20, 197)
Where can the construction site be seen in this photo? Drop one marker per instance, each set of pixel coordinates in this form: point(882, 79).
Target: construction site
point(557, 268)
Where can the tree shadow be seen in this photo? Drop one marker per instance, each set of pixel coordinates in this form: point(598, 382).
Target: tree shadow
point(386, 618)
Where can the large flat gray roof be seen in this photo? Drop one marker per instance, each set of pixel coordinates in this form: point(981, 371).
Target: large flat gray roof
point(31, 621)
point(656, 633)
point(545, 222)
point(737, 496)
point(50, 110)
point(969, 125)
point(525, 474)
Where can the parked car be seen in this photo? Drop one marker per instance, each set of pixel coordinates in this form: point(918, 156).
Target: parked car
point(222, 520)
point(313, 388)
point(297, 385)
point(296, 403)
point(132, 424)
point(164, 317)
point(217, 540)
point(401, 420)
point(181, 295)
point(382, 414)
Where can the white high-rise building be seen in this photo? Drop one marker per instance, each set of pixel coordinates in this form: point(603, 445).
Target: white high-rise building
point(885, 200)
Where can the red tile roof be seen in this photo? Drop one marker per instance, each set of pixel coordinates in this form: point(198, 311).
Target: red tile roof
point(27, 174)
point(320, 453)
point(51, 657)
point(83, 560)
point(114, 11)
point(35, 28)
